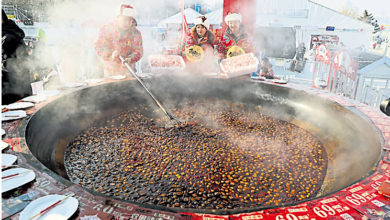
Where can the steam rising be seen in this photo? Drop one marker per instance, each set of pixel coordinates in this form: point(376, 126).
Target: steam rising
point(74, 27)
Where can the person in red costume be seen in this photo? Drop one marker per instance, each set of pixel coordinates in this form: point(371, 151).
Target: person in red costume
point(201, 35)
point(202, 61)
point(235, 35)
point(120, 38)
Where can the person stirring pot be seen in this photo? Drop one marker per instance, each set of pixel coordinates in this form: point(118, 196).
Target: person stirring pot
point(120, 38)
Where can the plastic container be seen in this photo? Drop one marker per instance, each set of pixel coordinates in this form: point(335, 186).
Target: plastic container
point(166, 63)
point(37, 87)
point(239, 65)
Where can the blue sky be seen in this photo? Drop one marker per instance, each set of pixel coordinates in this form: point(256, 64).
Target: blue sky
point(379, 8)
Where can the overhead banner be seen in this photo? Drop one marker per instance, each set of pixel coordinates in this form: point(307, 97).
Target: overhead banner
point(323, 39)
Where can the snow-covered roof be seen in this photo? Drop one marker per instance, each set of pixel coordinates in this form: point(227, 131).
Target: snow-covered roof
point(377, 69)
point(190, 13)
point(364, 58)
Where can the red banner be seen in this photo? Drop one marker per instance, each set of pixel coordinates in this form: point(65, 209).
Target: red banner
point(196, 216)
point(332, 208)
point(324, 39)
point(384, 167)
point(249, 216)
point(366, 200)
point(374, 181)
point(301, 211)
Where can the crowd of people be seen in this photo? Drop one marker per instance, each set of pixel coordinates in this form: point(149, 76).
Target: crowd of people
point(122, 38)
point(120, 42)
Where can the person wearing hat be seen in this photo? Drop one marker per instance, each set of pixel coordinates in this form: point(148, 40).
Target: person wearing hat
point(120, 38)
point(235, 36)
point(199, 47)
point(201, 35)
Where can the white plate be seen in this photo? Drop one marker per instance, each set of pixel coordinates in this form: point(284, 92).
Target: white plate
point(19, 105)
point(2, 132)
point(93, 81)
point(7, 160)
point(258, 78)
point(3, 145)
point(63, 210)
point(15, 182)
point(279, 81)
point(118, 77)
point(35, 98)
point(73, 85)
point(50, 92)
point(12, 115)
point(211, 74)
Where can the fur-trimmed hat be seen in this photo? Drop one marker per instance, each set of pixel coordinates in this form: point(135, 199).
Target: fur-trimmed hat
point(126, 9)
point(233, 17)
point(203, 21)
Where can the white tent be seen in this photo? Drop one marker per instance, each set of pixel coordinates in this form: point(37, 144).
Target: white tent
point(190, 13)
point(215, 17)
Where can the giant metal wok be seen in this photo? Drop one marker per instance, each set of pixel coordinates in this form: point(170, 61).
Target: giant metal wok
point(352, 143)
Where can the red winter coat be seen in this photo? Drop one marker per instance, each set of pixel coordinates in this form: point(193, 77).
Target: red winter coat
point(229, 39)
point(207, 64)
point(129, 45)
point(207, 42)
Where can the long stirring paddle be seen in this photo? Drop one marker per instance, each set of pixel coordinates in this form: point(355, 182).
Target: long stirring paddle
point(169, 116)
